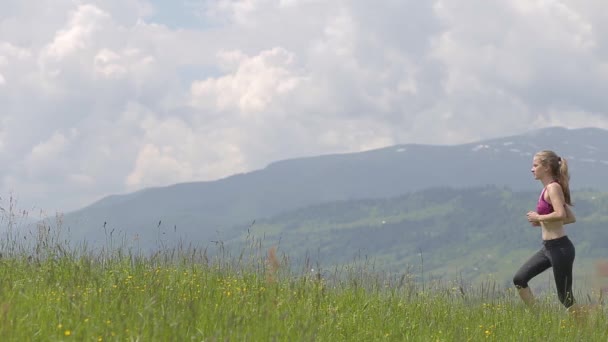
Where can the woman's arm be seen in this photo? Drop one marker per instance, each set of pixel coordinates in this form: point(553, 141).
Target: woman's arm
point(570, 218)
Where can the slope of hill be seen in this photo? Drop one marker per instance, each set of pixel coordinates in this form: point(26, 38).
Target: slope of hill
point(202, 210)
point(470, 233)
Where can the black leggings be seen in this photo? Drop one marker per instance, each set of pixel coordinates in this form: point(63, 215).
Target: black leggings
point(559, 254)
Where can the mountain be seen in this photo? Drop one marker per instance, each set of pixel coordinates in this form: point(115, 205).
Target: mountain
point(443, 232)
point(205, 211)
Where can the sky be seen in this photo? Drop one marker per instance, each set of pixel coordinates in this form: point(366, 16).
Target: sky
point(106, 97)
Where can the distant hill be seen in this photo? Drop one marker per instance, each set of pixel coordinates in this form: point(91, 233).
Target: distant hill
point(205, 211)
point(445, 232)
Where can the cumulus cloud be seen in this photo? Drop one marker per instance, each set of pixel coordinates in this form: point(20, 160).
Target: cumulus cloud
point(77, 33)
point(101, 97)
point(45, 154)
point(252, 86)
point(1, 142)
point(174, 151)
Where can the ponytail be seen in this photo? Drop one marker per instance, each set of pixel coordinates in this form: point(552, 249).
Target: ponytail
point(564, 179)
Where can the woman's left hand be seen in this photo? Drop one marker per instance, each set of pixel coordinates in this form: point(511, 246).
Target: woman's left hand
point(533, 216)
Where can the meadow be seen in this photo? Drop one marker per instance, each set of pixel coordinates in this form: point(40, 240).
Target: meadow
point(52, 292)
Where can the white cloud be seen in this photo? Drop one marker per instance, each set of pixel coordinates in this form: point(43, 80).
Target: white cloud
point(254, 84)
point(113, 65)
point(8, 54)
point(239, 10)
point(47, 154)
point(173, 151)
point(107, 64)
point(157, 166)
point(572, 119)
point(11, 51)
point(339, 36)
point(83, 23)
point(98, 99)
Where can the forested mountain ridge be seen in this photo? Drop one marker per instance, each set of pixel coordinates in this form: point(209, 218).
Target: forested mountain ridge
point(203, 210)
point(472, 233)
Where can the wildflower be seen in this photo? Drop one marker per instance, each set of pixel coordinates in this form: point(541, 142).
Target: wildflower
point(67, 333)
point(59, 326)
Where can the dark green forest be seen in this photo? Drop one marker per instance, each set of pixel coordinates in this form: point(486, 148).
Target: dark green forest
point(469, 235)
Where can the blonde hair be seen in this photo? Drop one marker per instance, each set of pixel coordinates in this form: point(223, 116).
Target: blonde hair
point(559, 170)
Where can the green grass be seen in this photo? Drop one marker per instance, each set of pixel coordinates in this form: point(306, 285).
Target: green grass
point(185, 295)
point(51, 292)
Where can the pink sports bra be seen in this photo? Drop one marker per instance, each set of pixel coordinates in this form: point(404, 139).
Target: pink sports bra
point(543, 207)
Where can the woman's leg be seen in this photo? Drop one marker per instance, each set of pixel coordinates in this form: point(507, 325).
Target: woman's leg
point(526, 295)
point(537, 264)
point(562, 259)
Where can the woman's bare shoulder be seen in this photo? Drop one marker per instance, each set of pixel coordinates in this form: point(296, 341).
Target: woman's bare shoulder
point(554, 186)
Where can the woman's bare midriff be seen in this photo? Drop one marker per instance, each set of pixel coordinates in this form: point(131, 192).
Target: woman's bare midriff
point(552, 230)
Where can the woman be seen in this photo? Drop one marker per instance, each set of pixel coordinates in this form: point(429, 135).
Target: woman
point(552, 212)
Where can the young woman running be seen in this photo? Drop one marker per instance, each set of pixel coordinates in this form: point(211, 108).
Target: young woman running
point(552, 213)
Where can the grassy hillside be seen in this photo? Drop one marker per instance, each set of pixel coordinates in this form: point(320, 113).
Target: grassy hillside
point(471, 234)
point(50, 291)
point(59, 295)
